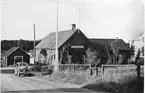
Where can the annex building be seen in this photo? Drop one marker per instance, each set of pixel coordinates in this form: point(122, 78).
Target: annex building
point(14, 55)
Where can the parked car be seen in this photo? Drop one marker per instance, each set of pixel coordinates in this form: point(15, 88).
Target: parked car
point(21, 68)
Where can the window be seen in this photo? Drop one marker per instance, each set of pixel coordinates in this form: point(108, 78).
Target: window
point(54, 57)
point(51, 57)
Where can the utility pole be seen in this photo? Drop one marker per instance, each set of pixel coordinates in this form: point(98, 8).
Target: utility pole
point(18, 43)
point(34, 43)
point(79, 19)
point(56, 48)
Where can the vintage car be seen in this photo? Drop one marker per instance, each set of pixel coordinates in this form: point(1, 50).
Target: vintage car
point(21, 68)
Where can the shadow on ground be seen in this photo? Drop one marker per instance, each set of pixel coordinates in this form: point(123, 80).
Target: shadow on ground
point(8, 71)
point(59, 90)
point(11, 71)
point(28, 75)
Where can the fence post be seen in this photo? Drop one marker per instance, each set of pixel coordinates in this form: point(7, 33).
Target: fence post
point(96, 71)
point(74, 67)
point(103, 69)
point(91, 70)
point(138, 70)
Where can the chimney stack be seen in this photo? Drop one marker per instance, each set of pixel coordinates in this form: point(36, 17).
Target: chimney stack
point(73, 26)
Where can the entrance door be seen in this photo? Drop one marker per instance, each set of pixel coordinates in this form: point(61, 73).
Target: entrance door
point(77, 55)
point(18, 59)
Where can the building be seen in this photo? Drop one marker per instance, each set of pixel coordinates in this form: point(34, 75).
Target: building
point(75, 44)
point(138, 44)
point(14, 55)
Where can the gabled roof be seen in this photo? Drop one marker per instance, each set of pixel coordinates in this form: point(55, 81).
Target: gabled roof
point(123, 45)
point(49, 41)
point(7, 53)
point(10, 51)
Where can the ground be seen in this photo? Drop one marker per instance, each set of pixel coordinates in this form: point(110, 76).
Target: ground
point(11, 83)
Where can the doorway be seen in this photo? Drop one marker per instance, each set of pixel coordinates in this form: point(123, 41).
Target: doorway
point(18, 59)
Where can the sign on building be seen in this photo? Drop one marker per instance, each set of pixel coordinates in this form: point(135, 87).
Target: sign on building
point(77, 46)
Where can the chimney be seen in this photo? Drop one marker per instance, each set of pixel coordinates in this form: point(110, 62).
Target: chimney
point(73, 26)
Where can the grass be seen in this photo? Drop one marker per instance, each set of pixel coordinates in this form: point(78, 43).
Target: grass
point(114, 80)
point(67, 76)
point(117, 81)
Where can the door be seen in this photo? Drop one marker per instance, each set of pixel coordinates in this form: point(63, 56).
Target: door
point(18, 59)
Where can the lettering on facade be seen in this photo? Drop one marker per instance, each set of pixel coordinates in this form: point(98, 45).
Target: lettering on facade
point(77, 46)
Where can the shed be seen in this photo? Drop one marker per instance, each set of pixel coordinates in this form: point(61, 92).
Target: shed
point(14, 55)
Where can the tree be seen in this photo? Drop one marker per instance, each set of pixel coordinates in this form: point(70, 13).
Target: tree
point(44, 53)
point(132, 50)
point(64, 54)
point(137, 56)
point(115, 45)
point(142, 50)
point(91, 56)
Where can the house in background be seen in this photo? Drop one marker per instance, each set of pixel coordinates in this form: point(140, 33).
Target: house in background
point(138, 44)
point(14, 55)
point(76, 44)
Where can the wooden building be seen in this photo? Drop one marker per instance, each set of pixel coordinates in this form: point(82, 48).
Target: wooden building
point(14, 55)
point(75, 44)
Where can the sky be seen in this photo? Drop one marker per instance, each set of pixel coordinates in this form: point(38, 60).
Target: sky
point(96, 18)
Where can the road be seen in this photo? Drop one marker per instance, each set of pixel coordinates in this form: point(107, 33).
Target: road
point(11, 83)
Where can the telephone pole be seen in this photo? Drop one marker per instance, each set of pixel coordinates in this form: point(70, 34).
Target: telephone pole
point(34, 43)
point(56, 48)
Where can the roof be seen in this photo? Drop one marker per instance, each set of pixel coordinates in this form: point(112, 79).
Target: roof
point(10, 51)
point(123, 45)
point(49, 40)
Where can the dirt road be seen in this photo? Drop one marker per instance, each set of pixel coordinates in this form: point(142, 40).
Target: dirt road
point(11, 83)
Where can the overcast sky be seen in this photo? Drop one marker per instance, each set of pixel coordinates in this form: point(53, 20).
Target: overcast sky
point(97, 18)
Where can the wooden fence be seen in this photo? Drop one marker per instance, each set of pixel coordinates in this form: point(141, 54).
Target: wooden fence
point(138, 68)
point(93, 70)
point(74, 67)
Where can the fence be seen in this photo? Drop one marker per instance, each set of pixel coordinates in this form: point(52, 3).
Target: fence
point(71, 67)
point(74, 67)
point(94, 70)
point(137, 68)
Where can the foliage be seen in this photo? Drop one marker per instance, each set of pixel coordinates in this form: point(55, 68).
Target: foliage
point(115, 45)
point(91, 56)
point(24, 44)
point(64, 54)
point(43, 52)
point(142, 50)
point(138, 53)
point(132, 50)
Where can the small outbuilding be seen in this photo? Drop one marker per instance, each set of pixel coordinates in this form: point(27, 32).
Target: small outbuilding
point(14, 55)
